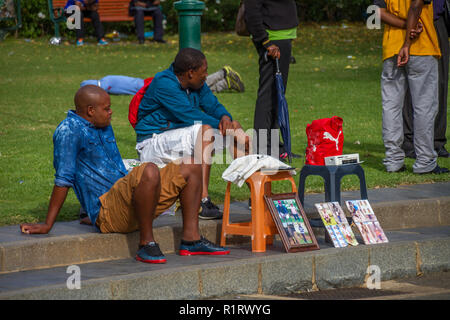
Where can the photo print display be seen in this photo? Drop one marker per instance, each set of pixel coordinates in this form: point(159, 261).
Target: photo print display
point(336, 224)
point(366, 221)
point(292, 224)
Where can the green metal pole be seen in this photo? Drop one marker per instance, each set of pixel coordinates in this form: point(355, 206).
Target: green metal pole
point(189, 23)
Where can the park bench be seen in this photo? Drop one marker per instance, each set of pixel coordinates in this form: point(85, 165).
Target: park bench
point(109, 11)
point(10, 12)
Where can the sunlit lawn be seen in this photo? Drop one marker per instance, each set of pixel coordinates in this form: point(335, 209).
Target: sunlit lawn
point(337, 73)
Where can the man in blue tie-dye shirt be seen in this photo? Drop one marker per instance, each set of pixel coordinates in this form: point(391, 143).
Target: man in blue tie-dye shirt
point(86, 158)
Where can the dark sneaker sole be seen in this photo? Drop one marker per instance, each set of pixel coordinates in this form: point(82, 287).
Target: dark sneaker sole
point(212, 253)
point(151, 261)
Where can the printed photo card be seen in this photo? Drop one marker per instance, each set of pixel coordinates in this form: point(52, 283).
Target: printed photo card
point(366, 221)
point(336, 224)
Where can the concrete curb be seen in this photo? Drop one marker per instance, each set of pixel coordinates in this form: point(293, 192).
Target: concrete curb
point(65, 250)
point(276, 274)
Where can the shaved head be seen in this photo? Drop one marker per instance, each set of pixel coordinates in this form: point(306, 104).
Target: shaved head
point(88, 96)
point(93, 104)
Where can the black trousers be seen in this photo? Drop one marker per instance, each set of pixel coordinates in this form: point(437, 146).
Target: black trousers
point(95, 18)
point(440, 124)
point(266, 109)
point(157, 15)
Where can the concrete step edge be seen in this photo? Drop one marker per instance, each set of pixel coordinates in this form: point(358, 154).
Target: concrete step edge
point(277, 274)
point(90, 247)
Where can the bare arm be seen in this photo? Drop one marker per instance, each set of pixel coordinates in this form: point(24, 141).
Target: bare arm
point(57, 199)
point(397, 22)
point(392, 19)
point(413, 19)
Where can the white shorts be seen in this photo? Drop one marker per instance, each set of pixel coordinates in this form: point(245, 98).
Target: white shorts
point(171, 145)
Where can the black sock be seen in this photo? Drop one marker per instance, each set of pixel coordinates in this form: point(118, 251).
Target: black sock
point(189, 242)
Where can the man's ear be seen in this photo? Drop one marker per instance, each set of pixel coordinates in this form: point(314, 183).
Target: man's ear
point(190, 73)
point(90, 110)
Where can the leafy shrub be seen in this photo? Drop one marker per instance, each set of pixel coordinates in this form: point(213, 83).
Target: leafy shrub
point(219, 15)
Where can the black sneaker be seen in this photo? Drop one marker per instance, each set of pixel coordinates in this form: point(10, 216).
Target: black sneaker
point(201, 247)
point(150, 253)
point(443, 153)
point(209, 210)
point(437, 170)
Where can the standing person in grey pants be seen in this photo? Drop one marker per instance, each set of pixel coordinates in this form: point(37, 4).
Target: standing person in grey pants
point(410, 63)
point(440, 125)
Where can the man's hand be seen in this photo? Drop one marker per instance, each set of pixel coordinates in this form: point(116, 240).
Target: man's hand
point(403, 56)
point(274, 52)
point(412, 23)
point(37, 228)
point(415, 33)
point(80, 5)
point(140, 4)
point(57, 199)
point(225, 124)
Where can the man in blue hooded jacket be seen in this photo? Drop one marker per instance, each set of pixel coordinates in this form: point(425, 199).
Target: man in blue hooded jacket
point(176, 116)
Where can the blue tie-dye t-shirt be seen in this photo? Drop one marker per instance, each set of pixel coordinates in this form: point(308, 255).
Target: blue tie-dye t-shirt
point(86, 159)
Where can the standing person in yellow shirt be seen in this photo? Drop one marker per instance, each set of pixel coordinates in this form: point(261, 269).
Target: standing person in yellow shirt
point(410, 63)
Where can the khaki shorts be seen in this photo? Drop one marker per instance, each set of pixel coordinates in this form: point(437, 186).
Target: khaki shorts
point(117, 210)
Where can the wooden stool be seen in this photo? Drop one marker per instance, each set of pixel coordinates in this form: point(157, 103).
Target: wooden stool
point(261, 228)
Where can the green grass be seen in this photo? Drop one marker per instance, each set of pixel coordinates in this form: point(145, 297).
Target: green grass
point(38, 82)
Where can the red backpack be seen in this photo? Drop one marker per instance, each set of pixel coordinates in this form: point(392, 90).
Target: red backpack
point(136, 101)
point(325, 139)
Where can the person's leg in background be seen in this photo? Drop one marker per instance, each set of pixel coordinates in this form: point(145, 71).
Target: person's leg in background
point(216, 81)
point(80, 33)
point(266, 110)
point(98, 26)
point(440, 126)
point(158, 30)
point(265, 100)
point(284, 64)
point(408, 139)
point(225, 79)
point(139, 25)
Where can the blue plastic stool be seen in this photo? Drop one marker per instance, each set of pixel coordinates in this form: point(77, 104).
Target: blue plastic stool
point(332, 176)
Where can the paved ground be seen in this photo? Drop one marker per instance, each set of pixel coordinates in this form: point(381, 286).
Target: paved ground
point(416, 220)
point(434, 286)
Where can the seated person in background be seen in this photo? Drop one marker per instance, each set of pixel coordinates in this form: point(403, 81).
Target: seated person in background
point(222, 80)
point(176, 116)
point(86, 158)
point(88, 9)
point(141, 8)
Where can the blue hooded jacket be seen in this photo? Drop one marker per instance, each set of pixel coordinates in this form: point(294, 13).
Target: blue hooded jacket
point(166, 106)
